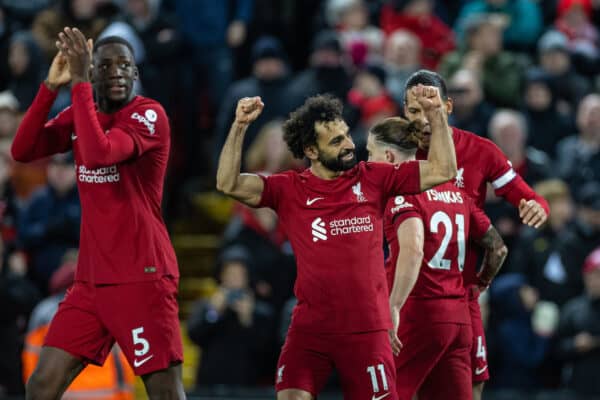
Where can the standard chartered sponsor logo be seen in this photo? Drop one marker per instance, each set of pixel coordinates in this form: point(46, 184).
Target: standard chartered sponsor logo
point(318, 230)
point(98, 175)
point(338, 227)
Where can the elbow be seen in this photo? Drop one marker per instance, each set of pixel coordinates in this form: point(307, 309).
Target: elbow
point(502, 252)
point(224, 187)
point(19, 155)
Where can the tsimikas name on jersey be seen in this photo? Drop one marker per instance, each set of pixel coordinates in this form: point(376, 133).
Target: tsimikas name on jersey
point(345, 226)
point(98, 175)
point(447, 196)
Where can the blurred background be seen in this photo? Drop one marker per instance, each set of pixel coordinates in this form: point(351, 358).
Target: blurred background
point(523, 73)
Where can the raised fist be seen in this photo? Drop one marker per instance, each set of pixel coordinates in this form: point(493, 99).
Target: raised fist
point(428, 97)
point(248, 109)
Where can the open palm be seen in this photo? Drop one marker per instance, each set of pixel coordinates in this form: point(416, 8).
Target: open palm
point(59, 74)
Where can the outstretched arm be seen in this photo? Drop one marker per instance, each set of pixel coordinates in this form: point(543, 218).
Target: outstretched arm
point(410, 238)
point(247, 188)
point(440, 165)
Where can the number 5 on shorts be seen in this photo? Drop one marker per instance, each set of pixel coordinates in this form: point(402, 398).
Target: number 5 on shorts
point(140, 340)
point(371, 371)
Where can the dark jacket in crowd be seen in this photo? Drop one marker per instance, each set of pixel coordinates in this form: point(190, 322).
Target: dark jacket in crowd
point(581, 314)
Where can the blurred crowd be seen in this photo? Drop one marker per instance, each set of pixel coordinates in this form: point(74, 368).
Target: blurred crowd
point(522, 73)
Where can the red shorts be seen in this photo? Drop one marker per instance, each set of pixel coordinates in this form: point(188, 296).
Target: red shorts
point(364, 363)
point(479, 363)
point(141, 317)
point(434, 361)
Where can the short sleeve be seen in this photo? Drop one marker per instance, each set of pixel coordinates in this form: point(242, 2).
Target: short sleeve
point(479, 223)
point(275, 187)
point(402, 208)
point(401, 178)
point(147, 125)
point(499, 171)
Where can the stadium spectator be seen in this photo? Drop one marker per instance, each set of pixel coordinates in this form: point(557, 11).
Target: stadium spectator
point(470, 110)
point(574, 20)
point(516, 349)
point(269, 80)
point(372, 103)
point(418, 16)
point(401, 57)
point(523, 18)
point(578, 156)
point(27, 67)
point(555, 59)
point(350, 18)
point(538, 254)
point(233, 328)
point(49, 225)
point(9, 118)
point(482, 52)
point(269, 153)
point(162, 44)
point(326, 74)
point(80, 13)
point(579, 333)
point(547, 126)
point(18, 296)
point(508, 129)
point(6, 31)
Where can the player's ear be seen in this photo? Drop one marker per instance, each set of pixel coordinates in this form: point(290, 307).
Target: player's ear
point(311, 152)
point(136, 73)
point(389, 156)
point(449, 106)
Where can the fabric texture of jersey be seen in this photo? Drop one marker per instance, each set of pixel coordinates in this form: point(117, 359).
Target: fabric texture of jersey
point(335, 229)
point(123, 236)
point(449, 219)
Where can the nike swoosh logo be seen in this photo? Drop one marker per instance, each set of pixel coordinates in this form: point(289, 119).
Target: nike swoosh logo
point(380, 397)
point(73, 136)
point(479, 371)
point(137, 363)
point(310, 201)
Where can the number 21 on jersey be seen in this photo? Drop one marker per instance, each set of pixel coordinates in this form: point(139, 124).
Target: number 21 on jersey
point(441, 218)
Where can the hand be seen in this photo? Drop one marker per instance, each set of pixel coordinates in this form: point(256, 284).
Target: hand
point(248, 109)
point(244, 308)
point(59, 74)
point(428, 97)
point(236, 33)
point(585, 342)
point(394, 340)
point(532, 213)
point(219, 300)
point(78, 51)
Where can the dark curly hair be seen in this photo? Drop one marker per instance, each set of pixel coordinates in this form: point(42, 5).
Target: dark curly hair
point(299, 130)
point(398, 132)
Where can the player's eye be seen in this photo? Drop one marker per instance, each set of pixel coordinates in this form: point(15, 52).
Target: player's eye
point(125, 65)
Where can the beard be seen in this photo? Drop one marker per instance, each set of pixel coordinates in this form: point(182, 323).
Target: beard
point(338, 164)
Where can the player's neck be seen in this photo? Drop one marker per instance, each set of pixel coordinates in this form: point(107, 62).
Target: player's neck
point(107, 106)
point(322, 172)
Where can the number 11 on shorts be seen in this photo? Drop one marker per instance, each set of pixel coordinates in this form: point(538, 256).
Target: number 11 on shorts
point(374, 381)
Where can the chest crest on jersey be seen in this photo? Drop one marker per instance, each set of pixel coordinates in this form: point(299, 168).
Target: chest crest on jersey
point(360, 197)
point(459, 181)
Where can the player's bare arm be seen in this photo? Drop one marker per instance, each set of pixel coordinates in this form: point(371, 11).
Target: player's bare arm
point(440, 166)
point(495, 254)
point(410, 237)
point(246, 188)
point(532, 213)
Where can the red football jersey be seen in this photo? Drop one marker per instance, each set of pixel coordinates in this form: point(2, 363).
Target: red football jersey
point(123, 236)
point(449, 219)
point(335, 229)
point(479, 162)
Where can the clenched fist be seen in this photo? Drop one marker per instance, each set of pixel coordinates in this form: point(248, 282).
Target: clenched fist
point(248, 109)
point(428, 97)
